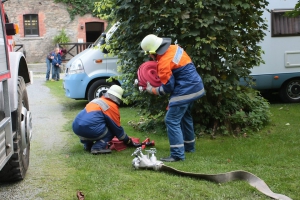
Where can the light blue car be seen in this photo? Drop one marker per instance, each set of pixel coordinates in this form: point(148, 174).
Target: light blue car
point(86, 73)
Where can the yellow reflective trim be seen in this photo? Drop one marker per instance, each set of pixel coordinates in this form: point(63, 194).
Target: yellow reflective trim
point(150, 52)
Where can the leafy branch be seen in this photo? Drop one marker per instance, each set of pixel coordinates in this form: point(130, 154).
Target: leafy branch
point(295, 12)
point(75, 7)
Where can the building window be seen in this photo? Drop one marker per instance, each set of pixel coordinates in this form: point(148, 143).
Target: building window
point(31, 27)
point(284, 26)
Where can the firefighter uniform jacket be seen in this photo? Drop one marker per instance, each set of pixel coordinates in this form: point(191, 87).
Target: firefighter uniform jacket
point(98, 116)
point(179, 77)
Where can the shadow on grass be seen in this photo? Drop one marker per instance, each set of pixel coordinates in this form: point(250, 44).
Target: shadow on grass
point(272, 97)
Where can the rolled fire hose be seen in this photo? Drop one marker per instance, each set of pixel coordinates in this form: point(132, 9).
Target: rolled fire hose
point(149, 161)
point(147, 72)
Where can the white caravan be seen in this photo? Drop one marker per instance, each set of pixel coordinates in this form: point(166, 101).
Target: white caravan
point(281, 46)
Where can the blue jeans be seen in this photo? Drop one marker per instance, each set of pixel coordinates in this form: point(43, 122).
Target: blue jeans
point(55, 73)
point(48, 68)
point(180, 130)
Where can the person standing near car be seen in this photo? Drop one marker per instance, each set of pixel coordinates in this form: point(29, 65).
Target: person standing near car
point(56, 63)
point(181, 80)
point(49, 63)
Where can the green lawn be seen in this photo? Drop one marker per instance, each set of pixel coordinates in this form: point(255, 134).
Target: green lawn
point(271, 154)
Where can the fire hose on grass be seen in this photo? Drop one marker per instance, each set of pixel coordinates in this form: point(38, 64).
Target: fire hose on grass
point(149, 161)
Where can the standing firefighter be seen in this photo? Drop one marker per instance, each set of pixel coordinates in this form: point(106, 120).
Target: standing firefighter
point(179, 78)
point(99, 122)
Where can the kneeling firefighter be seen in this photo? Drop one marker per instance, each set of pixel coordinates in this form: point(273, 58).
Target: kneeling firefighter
point(99, 122)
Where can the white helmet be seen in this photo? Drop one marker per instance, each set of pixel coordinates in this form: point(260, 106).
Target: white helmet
point(116, 91)
point(152, 44)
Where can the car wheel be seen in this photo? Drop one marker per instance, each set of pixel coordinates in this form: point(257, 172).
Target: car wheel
point(290, 91)
point(98, 88)
point(16, 168)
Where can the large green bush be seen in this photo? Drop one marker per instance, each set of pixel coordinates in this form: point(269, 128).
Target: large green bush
point(221, 36)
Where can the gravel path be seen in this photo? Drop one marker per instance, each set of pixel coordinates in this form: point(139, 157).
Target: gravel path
point(47, 147)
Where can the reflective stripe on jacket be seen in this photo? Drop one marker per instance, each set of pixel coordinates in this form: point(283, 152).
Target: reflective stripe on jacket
point(108, 107)
point(98, 115)
point(179, 76)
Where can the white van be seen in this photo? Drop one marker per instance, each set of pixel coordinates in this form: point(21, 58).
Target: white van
point(281, 46)
point(86, 73)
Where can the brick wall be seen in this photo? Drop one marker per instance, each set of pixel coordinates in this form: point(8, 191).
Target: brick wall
point(52, 18)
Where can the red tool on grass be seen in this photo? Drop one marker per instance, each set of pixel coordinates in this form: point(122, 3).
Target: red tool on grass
point(116, 144)
point(147, 143)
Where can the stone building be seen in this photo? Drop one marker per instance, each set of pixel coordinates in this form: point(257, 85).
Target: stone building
point(40, 21)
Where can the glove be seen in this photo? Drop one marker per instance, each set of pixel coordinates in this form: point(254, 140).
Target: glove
point(152, 90)
point(133, 144)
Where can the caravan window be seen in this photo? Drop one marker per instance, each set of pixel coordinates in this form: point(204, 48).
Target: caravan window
point(284, 26)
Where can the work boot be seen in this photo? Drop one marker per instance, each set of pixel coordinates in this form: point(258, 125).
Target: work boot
point(100, 151)
point(170, 159)
point(87, 145)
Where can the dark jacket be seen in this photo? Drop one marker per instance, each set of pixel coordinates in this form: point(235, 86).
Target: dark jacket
point(56, 59)
point(49, 56)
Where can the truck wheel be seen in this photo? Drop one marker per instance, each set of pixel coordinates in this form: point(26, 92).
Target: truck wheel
point(98, 88)
point(290, 91)
point(16, 168)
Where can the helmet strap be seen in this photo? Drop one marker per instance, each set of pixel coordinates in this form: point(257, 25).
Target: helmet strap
point(153, 56)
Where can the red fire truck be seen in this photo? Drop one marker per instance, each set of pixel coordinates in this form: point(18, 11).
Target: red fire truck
point(15, 117)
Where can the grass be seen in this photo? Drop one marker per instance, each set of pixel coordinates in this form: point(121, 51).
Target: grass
point(271, 154)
